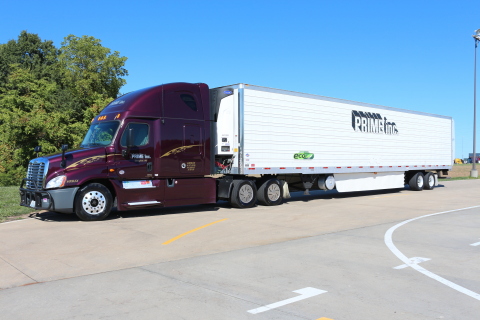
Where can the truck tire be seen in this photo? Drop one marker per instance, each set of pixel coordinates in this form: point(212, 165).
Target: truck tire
point(270, 193)
point(93, 202)
point(416, 182)
point(429, 181)
point(244, 194)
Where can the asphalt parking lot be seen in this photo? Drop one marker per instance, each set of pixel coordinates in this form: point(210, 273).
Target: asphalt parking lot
point(375, 255)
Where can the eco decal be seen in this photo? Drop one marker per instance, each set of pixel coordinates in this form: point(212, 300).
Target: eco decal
point(372, 123)
point(303, 155)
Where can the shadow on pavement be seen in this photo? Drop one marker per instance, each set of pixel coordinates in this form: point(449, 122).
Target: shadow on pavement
point(295, 197)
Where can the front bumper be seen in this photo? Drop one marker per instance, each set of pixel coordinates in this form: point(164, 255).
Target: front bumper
point(58, 200)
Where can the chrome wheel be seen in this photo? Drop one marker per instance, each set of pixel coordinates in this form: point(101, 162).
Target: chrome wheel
point(93, 202)
point(245, 193)
point(273, 192)
point(431, 181)
point(420, 181)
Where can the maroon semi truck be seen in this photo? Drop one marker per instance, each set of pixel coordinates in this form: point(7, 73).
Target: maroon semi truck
point(184, 144)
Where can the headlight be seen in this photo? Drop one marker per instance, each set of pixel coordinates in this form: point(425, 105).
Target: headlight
point(56, 182)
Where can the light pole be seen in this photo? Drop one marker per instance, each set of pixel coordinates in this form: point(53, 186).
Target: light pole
point(474, 172)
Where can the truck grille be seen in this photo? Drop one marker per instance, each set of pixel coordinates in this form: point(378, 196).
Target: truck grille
point(36, 173)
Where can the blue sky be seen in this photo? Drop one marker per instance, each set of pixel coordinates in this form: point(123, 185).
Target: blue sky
point(415, 55)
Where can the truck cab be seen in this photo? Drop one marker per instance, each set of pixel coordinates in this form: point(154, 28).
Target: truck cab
point(148, 148)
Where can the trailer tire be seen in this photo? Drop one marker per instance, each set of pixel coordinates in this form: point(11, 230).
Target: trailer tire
point(93, 202)
point(270, 193)
point(244, 194)
point(429, 181)
point(416, 182)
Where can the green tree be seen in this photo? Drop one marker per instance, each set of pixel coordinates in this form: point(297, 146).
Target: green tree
point(48, 96)
point(31, 53)
point(91, 72)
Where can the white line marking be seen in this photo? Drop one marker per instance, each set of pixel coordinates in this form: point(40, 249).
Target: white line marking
point(415, 260)
point(19, 220)
point(401, 256)
point(304, 294)
point(475, 244)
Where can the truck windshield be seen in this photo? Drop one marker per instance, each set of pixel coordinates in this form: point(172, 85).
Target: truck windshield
point(100, 134)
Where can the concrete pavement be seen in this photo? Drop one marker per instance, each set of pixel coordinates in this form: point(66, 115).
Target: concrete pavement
point(121, 268)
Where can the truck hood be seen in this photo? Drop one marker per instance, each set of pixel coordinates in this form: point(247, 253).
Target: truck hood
point(76, 159)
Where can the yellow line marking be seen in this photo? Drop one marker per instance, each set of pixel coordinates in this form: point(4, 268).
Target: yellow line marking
point(184, 234)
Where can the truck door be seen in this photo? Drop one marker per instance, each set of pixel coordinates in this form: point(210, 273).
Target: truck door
point(183, 134)
point(137, 164)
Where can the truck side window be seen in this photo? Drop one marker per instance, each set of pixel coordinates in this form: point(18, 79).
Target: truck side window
point(140, 134)
point(183, 104)
point(189, 101)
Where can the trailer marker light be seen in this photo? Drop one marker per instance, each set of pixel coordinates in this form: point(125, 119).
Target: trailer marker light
point(282, 168)
point(349, 167)
point(251, 168)
point(112, 170)
point(298, 168)
point(266, 168)
point(325, 167)
point(372, 166)
point(311, 168)
point(360, 167)
point(380, 166)
point(339, 167)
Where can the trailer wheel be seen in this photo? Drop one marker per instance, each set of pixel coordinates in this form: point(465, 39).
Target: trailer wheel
point(416, 182)
point(93, 202)
point(429, 182)
point(244, 194)
point(270, 193)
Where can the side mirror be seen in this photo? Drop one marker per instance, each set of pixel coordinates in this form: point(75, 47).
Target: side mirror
point(126, 152)
point(64, 148)
point(38, 149)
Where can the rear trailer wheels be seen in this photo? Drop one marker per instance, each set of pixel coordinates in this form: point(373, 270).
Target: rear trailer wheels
point(270, 193)
point(429, 181)
point(244, 194)
point(93, 202)
point(416, 182)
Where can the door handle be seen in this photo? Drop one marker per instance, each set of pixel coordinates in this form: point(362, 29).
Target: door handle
point(149, 167)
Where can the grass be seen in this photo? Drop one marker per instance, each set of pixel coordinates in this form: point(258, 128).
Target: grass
point(9, 204)
point(458, 178)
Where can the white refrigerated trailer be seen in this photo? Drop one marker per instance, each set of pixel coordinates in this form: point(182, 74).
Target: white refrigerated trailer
point(312, 141)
